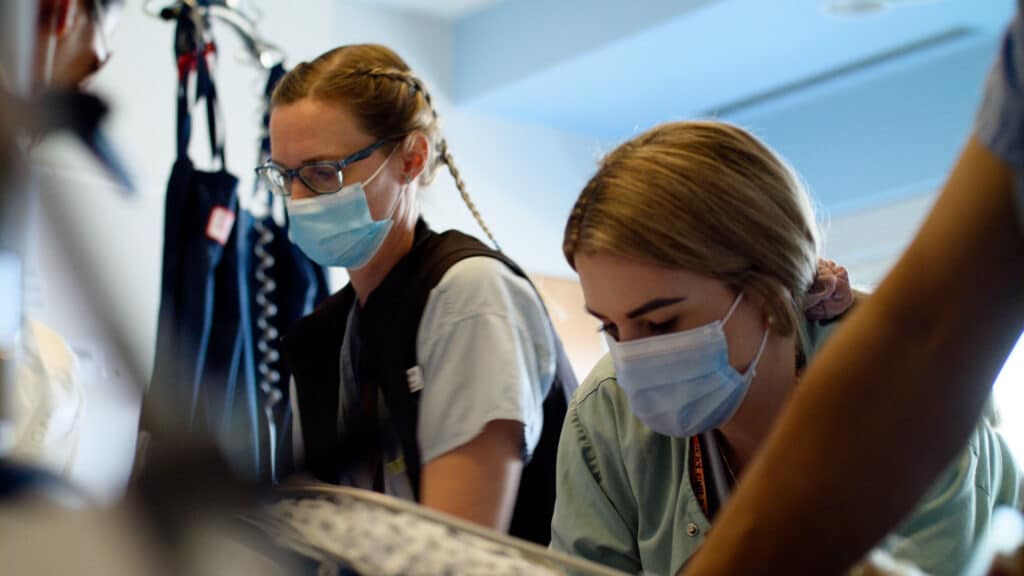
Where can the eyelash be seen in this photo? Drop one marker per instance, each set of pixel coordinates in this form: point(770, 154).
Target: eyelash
point(654, 327)
point(661, 328)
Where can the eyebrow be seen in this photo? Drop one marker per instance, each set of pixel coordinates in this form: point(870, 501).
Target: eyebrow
point(644, 309)
point(653, 305)
point(324, 158)
point(313, 160)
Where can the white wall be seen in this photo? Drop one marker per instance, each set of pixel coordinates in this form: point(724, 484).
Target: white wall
point(868, 242)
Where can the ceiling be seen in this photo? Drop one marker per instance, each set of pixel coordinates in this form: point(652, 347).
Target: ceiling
point(448, 9)
point(870, 106)
point(621, 65)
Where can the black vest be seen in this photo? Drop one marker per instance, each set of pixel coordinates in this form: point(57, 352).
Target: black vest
point(387, 329)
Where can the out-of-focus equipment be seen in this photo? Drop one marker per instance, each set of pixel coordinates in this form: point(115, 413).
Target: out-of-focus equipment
point(349, 531)
point(48, 400)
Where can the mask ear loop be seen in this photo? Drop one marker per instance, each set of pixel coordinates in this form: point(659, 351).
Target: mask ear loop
point(752, 371)
point(379, 169)
point(732, 309)
point(394, 203)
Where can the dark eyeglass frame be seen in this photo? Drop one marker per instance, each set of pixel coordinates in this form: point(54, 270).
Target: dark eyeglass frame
point(290, 174)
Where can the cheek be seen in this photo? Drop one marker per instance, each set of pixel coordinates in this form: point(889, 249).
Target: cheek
point(744, 333)
point(382, 195)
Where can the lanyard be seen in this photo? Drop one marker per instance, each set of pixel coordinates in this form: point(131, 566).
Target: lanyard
point(709, 477)
point(697, 477)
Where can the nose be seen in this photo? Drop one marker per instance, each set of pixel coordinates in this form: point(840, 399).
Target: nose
point(299, 189)
point(627, 333)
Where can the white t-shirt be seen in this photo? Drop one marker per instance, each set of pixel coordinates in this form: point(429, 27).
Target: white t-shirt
point(485, 351)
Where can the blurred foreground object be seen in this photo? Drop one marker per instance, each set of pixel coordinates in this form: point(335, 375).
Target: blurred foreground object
point(356, 531)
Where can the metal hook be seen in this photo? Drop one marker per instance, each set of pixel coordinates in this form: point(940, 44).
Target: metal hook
point(148, 8)
point(169, 11)
point(265, 54)
point(230, 12)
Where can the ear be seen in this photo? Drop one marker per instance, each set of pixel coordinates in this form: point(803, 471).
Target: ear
point(415, 150)
point(56, 16)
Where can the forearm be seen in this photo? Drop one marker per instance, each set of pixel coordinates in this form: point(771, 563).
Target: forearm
point(478, 481)
point(892, 397)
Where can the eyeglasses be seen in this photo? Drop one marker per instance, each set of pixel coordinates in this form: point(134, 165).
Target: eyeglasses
point(320, 177)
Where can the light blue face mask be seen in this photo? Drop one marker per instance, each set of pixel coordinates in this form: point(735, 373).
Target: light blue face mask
point(337, 229)
point(682, 384)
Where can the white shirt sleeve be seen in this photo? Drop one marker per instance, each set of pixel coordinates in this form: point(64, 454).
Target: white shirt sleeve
point(1000, 122)
point(486, 351)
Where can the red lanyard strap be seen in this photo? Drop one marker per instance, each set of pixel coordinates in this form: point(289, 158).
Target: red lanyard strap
point(697, 476)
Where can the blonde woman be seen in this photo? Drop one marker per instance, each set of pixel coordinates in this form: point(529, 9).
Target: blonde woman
point(435, 374)
point(946, 318)
point(696, 246)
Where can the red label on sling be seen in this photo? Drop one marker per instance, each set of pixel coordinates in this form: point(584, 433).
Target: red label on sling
point(218, 228)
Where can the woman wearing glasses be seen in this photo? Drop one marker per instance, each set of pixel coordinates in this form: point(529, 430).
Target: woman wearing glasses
point(435, 374)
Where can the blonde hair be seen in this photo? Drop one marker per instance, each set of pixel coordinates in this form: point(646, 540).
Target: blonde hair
point(380, 89)
point(706, 197)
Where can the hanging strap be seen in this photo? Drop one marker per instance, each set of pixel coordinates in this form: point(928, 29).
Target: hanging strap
point(193, 55)
point(261, 192)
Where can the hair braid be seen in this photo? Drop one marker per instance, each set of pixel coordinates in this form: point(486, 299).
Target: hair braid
point(443, 154)
point(446, 157)
point(405, 77)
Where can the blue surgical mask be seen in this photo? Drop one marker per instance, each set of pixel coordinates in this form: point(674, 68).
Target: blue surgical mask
point(682, 384)
point(337, 229)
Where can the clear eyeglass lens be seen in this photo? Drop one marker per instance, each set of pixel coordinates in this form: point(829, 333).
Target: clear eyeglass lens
point(276, 179)
point(322, 179)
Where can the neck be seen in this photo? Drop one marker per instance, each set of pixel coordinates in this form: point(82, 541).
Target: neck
point(398, 243)
point(768, 394)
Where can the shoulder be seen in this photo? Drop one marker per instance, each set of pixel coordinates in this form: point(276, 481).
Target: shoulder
point(484, 285)
point(478, 272)
point(957, 509)
point(815, 333)
point(998, 472)
point(983, 475)
point(1001, 115)
point(599, 387)
point(600, 406)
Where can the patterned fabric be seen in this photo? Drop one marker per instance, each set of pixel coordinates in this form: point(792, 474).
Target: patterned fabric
point(345, 531)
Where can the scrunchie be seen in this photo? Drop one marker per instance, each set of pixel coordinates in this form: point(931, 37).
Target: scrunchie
point(830, 295)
